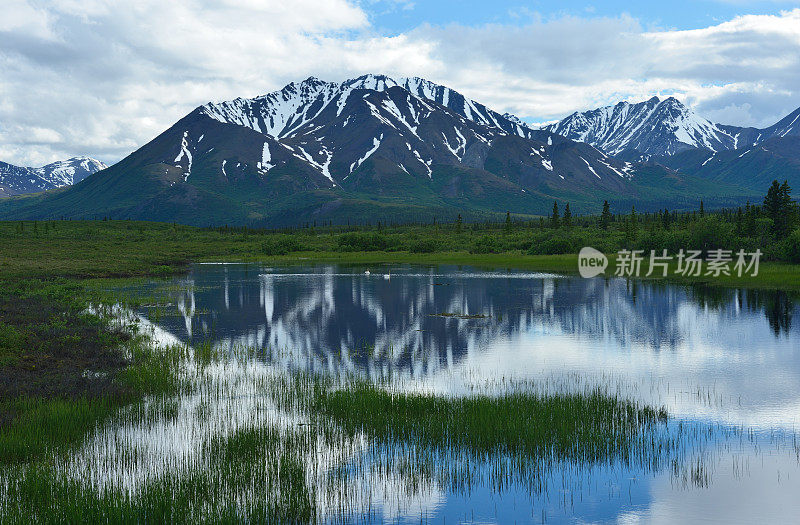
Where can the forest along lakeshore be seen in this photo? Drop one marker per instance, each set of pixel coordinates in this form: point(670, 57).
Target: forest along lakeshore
point(397, 372)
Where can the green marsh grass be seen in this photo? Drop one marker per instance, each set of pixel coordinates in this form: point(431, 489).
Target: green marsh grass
point(267, 445)
point(570, 426)
point(309, 448)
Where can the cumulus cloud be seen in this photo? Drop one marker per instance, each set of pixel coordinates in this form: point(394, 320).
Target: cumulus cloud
point(744, 71)
point(101, 77)
point(107, 76)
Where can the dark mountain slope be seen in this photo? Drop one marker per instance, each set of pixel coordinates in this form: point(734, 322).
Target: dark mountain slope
point(752, 167)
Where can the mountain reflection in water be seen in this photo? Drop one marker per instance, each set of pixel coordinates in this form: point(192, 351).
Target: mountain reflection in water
point(395, 310)
point(736, 347)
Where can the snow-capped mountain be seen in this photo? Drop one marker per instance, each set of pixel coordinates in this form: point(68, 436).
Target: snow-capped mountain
point(653, 127)
point(288, 112)
point(17, 180)
point(406, 124)
point(662, 128)
point(367, 148)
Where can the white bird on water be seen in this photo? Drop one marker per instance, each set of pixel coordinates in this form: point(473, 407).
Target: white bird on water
point(386, 276)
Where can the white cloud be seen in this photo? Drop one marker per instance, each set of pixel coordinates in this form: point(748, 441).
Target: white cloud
point(101, 77)
point(550, 68)
point(20, 16)
point(108, 76)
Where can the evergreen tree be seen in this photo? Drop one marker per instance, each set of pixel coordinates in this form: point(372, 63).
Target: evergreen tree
point(739, 222)
point(778, 207)
point(702, 209)
point(605, 217)
point(772, 202)
point(632, 228)
point(749, 219)
point(458, 223)
point(788, 207)
point(554, 218)
point(567, 217)
point(508, 222)
point(666, 219)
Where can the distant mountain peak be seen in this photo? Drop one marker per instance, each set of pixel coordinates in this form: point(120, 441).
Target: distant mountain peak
point(18, 180)
point(652, 127)
point(657, 127)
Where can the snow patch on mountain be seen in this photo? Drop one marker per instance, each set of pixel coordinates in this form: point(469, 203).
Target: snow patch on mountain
point(266, 157)
point(376, 143)
point(590, 167)
point(185, 153)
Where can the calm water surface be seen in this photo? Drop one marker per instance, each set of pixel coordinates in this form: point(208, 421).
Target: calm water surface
point(724, 362)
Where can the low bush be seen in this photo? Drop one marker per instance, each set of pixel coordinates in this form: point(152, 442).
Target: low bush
point(363, 242)
point(660, 240)
point(423, 246)
point(280, 246)
point(485, 244)
point(791, 248)
point(554, 245)
point(710, 233)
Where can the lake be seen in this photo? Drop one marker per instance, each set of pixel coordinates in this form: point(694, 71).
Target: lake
point(725, 363)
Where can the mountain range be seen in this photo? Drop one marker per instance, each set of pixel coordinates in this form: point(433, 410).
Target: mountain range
point(406, 149)
point(663, 128)
point(17, 180)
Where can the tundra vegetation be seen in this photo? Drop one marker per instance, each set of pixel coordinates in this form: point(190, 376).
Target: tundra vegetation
point(75, 367)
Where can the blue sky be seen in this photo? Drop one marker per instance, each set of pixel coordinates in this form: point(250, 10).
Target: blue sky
point(103, 77)
point(397, 16)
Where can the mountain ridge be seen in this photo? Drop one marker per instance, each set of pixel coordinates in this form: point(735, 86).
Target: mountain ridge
point(662, 128)
point(365, 147)
point(19, 180)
